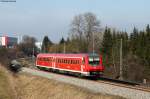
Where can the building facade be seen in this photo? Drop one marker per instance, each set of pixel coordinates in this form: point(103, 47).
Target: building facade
point(9, 42)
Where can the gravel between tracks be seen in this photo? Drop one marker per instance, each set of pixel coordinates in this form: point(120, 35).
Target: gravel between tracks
point(93, 86)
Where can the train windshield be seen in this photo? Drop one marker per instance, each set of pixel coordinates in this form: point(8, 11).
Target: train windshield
point(94, 60)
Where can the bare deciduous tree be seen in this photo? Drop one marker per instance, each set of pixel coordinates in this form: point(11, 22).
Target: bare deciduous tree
point(86, 27)
point(27, 45)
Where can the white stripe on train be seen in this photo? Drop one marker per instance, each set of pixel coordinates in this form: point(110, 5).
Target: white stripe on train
point(84, 73)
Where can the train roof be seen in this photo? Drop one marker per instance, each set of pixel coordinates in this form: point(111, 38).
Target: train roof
point(62, 55)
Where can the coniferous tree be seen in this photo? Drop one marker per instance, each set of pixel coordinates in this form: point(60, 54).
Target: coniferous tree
point(46, 44)
point(133, 40)
point(148, 44)
point(107, 44)
point(62, 41)
point(125, 48)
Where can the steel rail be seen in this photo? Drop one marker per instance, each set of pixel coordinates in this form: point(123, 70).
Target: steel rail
point(125, 85)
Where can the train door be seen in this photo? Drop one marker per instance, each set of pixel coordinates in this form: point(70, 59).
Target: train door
point(82, 64)
point(54, 62)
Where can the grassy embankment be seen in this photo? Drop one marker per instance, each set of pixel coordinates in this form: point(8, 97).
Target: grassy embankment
point(25, 86)
point(6, 90)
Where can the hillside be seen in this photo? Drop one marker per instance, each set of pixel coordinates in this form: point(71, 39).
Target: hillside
point(6, 89)
point(25, 86)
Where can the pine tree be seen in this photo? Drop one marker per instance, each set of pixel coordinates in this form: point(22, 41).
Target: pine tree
point(62, 41)
point(148, 44)
point(125, 48)
point(107, 42)
point(133, 40)
point(107, 45)
point(45, 44)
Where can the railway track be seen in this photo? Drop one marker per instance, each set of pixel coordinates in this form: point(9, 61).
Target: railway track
point(106, 87)
point(125, 89)
point(114, 82)
point(124, 84)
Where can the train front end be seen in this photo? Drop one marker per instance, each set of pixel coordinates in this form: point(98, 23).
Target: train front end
point(94, 65)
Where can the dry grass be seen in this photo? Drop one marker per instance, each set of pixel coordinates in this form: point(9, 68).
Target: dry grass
point(6, 89)
point(25, 86)
point(32, 87)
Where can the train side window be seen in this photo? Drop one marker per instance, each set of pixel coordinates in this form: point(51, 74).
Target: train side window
point(62, 61)
point(47, 59)
point(69, 61)
point(50, 59)
point(66, 61)
point(59, 60)
point(77, 61)
point(73, 62)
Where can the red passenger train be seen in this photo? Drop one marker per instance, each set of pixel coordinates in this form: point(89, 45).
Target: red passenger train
point(83, 64)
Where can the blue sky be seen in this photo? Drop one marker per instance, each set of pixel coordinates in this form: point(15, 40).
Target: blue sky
point(53, 17)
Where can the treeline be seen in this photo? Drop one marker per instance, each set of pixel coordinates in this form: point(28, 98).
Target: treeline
point(86, 36)
point(135, 53)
